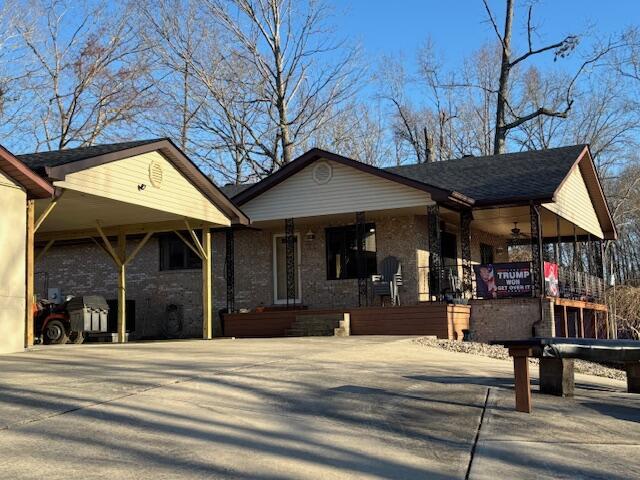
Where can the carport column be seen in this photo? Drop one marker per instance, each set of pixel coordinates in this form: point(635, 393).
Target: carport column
point(29, 271)
point(122, 291)
point(207, 332)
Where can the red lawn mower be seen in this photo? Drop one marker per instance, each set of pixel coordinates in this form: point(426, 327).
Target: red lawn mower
point(71, 320)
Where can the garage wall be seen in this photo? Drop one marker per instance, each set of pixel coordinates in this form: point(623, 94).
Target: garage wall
point(13, 227)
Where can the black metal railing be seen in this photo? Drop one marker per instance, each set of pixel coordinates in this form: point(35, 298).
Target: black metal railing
point(445, 284)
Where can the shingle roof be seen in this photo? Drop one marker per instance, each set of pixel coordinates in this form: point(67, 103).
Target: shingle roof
point(498, 178)
point(38, 161)
point(231, 189)
point(35, 186)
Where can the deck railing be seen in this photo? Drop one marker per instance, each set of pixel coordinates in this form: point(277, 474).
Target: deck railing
point(572, 284)
point(580, 286)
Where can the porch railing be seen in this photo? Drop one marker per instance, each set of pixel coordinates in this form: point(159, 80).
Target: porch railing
point(580, 286)
point(448, 279)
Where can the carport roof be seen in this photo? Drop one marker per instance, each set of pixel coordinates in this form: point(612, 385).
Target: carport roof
point(56, 164)
point(38, 161)
point(36, 186)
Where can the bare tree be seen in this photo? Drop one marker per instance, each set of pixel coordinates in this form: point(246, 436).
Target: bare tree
point(14, 74)
point(91, 70)
point(358, 132)
point(507, 117)
point(627, 301)
point(285, 43)
point(204, 86)
point(175, 34)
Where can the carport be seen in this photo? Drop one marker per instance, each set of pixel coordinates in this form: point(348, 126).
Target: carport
point(109, 192)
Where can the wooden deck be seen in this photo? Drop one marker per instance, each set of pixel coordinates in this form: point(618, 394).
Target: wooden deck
point(580, 319)
point(432, 318)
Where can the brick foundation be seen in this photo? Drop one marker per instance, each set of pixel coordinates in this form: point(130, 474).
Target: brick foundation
point(510, 319)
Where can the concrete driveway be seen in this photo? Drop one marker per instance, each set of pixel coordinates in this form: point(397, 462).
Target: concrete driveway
point(316, 408)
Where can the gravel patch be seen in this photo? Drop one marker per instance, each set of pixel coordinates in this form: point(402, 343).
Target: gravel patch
point(501, 353)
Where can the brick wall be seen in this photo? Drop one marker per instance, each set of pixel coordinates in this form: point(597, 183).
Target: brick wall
point(510, 319)
point(84, 268)
point(395, 236)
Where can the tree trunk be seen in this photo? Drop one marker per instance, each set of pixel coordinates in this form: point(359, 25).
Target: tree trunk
point(499, 145)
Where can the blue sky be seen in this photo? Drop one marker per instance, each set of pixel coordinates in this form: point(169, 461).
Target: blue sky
point(458, 27)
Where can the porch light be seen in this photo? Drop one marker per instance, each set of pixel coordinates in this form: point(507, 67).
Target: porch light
point(309, 236)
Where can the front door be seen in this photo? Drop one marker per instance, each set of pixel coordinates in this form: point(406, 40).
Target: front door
point(280, 268)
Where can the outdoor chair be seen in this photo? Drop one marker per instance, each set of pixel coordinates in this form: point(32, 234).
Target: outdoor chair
point(452, 286)
point(388, 282)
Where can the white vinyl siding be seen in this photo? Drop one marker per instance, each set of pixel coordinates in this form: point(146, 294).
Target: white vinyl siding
point(348, 190)
point(573, 203)
point(119, 180)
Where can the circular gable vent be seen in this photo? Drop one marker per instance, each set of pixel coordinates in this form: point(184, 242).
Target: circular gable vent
point(322, 173)
point(155, 173)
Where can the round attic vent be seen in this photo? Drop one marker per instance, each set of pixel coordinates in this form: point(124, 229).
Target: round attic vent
point(155, 173)
point(322, 173)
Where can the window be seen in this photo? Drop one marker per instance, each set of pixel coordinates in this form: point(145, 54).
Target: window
point(486, 254)
point(175, 255)
point(342, 252)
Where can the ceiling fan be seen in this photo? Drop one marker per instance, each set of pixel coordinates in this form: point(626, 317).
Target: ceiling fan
point(517, 237)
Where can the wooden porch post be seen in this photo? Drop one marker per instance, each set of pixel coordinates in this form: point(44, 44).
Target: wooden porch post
point(122, 290)
point(581, 322)
point(565, 321)
point(207, 330)
point(29, 272)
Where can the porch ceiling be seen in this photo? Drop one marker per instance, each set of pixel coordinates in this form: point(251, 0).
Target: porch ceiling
point(76, 213)
point(500, 221)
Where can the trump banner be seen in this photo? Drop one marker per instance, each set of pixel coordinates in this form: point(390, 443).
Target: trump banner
point(503, 280)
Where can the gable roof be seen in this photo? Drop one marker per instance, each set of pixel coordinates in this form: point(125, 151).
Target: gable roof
point(57, 164)
point(506, 179)
point(500, 179)
point(517, 178)
point(36, 186)
point(443, 195)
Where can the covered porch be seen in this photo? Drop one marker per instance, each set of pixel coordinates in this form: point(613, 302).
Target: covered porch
point(509, 254)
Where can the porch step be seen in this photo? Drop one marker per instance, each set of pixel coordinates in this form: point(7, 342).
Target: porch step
point(320, 325)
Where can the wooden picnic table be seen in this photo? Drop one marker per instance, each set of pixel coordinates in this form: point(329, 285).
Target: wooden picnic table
point(556, 363)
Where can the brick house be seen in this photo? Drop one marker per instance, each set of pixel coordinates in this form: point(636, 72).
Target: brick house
point(322, 226)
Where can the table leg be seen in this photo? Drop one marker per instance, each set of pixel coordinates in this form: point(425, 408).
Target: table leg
point(556, 376)
point(522, 379)
point(633, 377)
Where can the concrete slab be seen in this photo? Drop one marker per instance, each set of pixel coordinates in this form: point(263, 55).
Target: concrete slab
point(367, 407)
